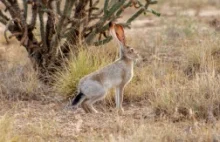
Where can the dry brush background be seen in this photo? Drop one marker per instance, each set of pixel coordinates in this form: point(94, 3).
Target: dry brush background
point(174, 95)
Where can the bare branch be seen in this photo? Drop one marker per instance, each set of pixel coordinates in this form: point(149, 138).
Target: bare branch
point(3, 21)
point(50, 26)
point(9, 7)
point(65, 15)
point(25, 8)
point(98, 13)
point(34, 16)
point(7, 28)
point(96, 3)
point(58, 7)
point(90, 9)
point(24, 37)
point(16, 13)
point(3, 17)
point(42, 28)
point(15, 34)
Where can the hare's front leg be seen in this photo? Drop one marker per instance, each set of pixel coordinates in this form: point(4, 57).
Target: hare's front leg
point(119, 98)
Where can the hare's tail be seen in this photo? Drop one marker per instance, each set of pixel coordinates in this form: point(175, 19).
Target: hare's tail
point(78, 99)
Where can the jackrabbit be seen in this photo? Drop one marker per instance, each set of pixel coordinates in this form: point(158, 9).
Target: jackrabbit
point(118, 74)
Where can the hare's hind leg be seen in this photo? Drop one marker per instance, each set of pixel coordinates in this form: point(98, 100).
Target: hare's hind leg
point(85, 107)
point(94, 91)
point(89, 103)
point(88, 107)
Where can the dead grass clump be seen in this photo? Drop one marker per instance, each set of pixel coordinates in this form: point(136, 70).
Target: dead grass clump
point(18, 79)
point(193, 62)
point(202, 57)
point(88, 60)
point(198, 94)
point(20, 82)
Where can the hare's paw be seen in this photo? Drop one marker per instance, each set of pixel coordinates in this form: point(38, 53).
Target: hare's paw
point(120, 111)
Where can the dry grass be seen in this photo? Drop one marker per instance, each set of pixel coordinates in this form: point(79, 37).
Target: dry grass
point(174, 90)
point(159, 132)
point(88, 60)
point(182, 69)
point(5, 129)
point(18, 79)
point(34, 123)
point(20, 82)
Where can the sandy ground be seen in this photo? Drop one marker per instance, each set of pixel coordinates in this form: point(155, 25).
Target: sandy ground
point(68, 125)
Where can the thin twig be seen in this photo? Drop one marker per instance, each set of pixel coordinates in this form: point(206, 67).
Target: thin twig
point(25, 8)
point(15, 34)
point(42, 29)
point(34, 16)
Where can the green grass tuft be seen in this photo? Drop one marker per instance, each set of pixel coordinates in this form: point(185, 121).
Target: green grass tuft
point(87, 61)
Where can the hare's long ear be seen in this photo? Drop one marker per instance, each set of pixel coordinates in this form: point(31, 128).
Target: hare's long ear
point(117, 31)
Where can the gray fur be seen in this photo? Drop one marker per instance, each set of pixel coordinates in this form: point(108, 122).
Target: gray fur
point(115, 75)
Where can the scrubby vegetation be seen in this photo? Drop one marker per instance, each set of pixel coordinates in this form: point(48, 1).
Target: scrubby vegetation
point(174, 95)
point(86, 61)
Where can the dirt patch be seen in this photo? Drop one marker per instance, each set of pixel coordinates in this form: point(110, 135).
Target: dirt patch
point(64, 124)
